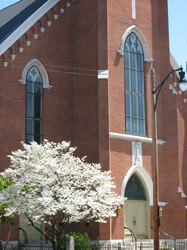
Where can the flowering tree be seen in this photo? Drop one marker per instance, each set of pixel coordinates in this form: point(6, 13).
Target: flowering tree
point(52, 185)
point(5, 183)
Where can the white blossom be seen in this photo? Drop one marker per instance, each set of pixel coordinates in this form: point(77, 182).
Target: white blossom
point(49, 180)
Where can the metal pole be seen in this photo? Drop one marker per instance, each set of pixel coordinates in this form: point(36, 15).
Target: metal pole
point(155, 168)
point(175, 245)
point(155, 94)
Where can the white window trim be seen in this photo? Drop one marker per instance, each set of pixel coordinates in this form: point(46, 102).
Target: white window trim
point(142, 40)
point(146, 178)
point(40, 67)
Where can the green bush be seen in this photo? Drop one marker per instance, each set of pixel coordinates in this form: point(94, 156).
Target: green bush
point(5, 183)
point(82, 241)
point(165, 248)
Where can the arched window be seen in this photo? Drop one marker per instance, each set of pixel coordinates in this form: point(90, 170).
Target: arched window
point(34, 94)
point(135, 189)
point(134, 86)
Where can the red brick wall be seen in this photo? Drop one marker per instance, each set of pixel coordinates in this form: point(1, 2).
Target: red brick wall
point(53, 49)
point(90, 94)
point(151, 19)
point(83, 109)
point(77, 105)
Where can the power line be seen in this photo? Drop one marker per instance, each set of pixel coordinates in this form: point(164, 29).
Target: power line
point(58, 66)
point(63, 72)
point(77, 73)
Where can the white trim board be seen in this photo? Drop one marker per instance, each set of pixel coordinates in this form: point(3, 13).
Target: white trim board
point(7, 43)
point(134, 9)
point(127, 137)
point(102, 74)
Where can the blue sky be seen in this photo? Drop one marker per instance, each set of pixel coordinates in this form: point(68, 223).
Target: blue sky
point(5, 3)
point(177, 28)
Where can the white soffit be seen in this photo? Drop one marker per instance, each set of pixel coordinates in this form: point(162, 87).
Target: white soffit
point(7, 43)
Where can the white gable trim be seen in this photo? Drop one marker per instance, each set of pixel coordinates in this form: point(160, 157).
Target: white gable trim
point(7, 43)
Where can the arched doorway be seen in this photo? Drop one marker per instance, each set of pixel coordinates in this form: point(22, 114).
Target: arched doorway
point(136, 208)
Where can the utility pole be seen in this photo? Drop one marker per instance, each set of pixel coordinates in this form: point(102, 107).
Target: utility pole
point(155, 166)
point(155, 94)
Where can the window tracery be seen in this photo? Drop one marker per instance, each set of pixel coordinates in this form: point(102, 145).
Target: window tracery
point(34, 95)
point(134, 86)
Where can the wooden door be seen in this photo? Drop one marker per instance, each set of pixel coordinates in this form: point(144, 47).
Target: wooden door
point(136, 218)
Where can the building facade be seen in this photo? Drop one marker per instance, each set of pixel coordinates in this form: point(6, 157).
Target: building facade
point(82, 71)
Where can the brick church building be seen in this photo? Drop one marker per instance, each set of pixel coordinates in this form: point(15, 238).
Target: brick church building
point(80, 70)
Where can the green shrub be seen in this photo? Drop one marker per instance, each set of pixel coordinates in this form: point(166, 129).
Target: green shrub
point(165, 248)
point(82, 241)
point(5, 183)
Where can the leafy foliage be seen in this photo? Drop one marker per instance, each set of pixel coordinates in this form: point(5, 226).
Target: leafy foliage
point(82, 241)
point(4, 184)
point(165, 248)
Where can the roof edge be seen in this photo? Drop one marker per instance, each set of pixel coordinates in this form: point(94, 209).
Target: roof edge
point(11, 5)
point(10, 40)
point(174, 64)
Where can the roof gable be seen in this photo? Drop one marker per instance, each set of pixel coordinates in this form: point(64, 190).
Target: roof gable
point(18, 25)
point(17, 20)
point(11, 11)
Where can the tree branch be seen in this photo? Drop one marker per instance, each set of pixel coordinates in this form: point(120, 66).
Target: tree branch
point(38, 229)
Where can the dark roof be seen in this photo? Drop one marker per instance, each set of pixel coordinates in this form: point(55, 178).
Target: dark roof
point(10, 24)
point(11, 11)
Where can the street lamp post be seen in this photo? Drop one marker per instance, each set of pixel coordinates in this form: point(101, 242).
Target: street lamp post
point(155, 95)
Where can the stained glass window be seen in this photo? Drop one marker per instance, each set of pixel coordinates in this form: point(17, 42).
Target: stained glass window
point(34, 93)
point(135, 189)
point(134, 86)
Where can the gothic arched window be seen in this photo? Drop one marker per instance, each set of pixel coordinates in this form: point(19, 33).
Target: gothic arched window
point(135, 189)
point(34, 94)
point(134, 86)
